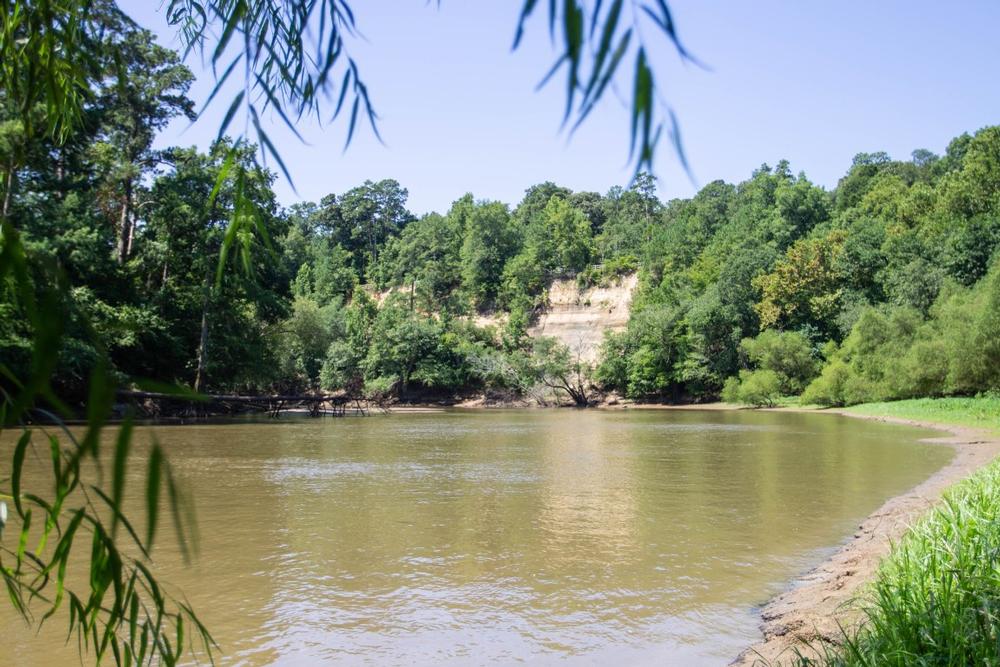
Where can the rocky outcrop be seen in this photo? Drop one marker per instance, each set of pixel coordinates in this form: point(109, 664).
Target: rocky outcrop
point(579, 318)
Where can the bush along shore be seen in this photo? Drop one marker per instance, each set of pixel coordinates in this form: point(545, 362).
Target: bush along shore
point(936, 598)
point(919, 582)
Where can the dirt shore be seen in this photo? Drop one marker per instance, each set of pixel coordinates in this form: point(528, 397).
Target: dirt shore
point(818, 605)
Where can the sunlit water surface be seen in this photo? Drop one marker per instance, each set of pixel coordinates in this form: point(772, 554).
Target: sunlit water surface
point(543, 537)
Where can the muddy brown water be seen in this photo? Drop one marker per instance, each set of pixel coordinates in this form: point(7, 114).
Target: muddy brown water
point(478, 537)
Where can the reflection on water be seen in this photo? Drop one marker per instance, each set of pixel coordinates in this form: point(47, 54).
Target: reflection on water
point(517, 536)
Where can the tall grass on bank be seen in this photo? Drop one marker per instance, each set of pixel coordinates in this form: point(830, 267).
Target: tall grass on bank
point(936, 597)
point(978, 412)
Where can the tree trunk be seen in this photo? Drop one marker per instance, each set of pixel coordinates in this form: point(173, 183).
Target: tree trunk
point(131, 235)
point(579, 396)
point(202, 348)
point(199, 376)
point(61, 173)
point(7, 190)
point(124, 224)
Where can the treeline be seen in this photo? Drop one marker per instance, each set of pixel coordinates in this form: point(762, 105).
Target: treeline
point(878, 289)
point(136, 233)
point(879, 286)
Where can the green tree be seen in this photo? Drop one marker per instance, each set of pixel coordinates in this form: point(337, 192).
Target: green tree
point(342, 367)
point(147, 89)
point(368, 216)
point(630, 218)
point(553, 365)
point(489, 241)
point(804, 288)
point(569, 231)
point(760, 388)
point(302, 344)
point(426, 259)
point(788, 354)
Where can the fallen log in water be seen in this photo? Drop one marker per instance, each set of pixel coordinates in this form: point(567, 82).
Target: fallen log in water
point(158, 404)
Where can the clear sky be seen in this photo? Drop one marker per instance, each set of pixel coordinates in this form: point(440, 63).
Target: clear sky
point(811, 82)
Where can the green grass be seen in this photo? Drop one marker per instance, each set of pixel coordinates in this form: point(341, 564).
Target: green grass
point(936, 597)
point(978, 412)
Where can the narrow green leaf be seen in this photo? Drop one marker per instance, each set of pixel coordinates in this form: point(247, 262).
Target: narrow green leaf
point(609, 72)
point(57, 471)
point(143, 644)
point(219, 82)
point(60, 557)
point(266, 141)
point(353, 122)
point(642, 101)
point(16, 598)
point(180, 635)
point(529, 6)
point(18, 465)
point(122, 446)
point(237, 12)
point(175, 511)
point(676, 140)
point(342, 95)
point(610, 27)
point(122, 518)
point(595, 13)
point(573, 34)
point(22, 542)
point(224, 169)
point(233, 108)
point(277, 106)
point(153, 493)
point(133, 618)
point(555, 67)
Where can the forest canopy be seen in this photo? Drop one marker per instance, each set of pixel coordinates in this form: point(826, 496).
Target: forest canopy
point(883, 287)
point(880, 288)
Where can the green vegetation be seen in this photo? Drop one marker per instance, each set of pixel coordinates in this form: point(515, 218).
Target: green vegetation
point(879, 290)
point(782, 361)
point(175, 268)
point(976, 412)
point(935, 598)
point(892, 279)
point(114, 263)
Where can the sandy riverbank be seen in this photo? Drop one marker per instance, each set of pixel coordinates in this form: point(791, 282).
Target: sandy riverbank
point(818, 605)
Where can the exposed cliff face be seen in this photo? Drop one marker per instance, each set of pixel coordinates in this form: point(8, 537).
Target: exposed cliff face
point(579, 318)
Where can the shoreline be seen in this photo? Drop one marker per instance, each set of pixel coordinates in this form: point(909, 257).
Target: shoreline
point(816, 606)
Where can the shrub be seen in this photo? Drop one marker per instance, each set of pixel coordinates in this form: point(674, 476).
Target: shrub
point(900, 354)
point(731, 390)
point(788, 353)
point(829, 388)
point(760, 388)
point(380, 388)
point(936, 598)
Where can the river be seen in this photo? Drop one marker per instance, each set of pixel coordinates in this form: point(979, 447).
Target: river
point(542, 536)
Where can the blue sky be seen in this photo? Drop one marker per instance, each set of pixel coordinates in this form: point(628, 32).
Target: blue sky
point(814, 83)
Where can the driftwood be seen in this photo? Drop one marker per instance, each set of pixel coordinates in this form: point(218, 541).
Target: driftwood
point(158, 404)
